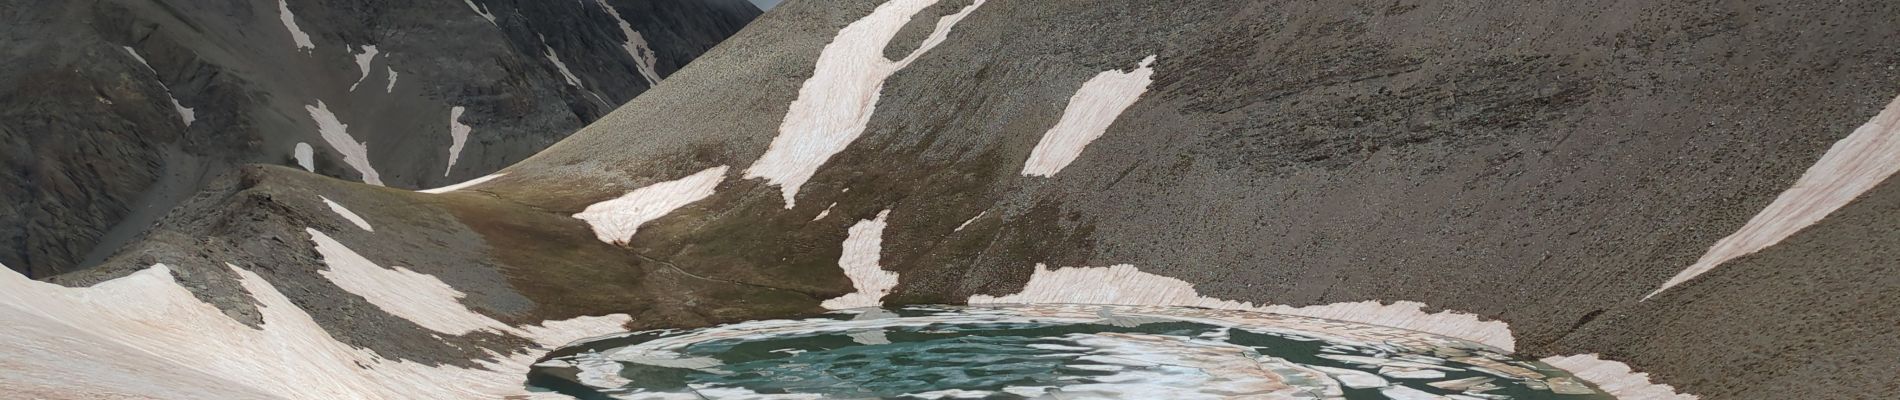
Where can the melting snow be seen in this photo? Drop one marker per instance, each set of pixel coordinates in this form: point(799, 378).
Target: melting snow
point(1853, 166)
point(1090, 112)
point(862, 246)
point(636, 46)
point(1406, 393)
point(337, 135)
point(306, 157)
point(598, 371)
point(615, 221)
point(347, 214)
point(458, 136)
point(834, 105)
point(1353, 378)
point(362, 64)
point(290, 23)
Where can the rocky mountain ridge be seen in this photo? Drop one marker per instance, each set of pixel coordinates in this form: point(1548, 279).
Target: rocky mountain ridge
point(118, 110)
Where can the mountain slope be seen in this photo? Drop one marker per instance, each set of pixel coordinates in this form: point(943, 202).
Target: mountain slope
point(1521, 174)
point(117, 110)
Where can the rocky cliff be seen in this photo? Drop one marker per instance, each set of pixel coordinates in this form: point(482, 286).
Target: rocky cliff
point(114, 111)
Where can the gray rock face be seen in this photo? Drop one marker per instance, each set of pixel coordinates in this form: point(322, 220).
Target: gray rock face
point(1541, 163)
point(114, 111)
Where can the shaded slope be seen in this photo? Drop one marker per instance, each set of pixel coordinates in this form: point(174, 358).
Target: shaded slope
point(117, 110)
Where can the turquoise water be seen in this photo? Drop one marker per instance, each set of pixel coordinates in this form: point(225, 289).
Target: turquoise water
point(1036, 352)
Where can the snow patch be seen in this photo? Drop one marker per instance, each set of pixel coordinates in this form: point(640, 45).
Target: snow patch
point(392, 81)
point(458, 136)
point(643, 58)
point(1615, 378)
point(615, 221)
point(144, 334)
point(834, 105)
point(185, 114)
point(862, 247)
point(1091, 110)
point(306, 156)
point(362, 64)
point(1854, 165)
point(463, 185)
point(365, 58)
point(290, 22)
point(337, 134)
point(347, 214)
point(417, 297)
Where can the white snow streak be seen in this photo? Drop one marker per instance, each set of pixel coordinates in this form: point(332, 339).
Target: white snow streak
point(463, 185)
point(967, 223)
point(362, 64)
point(636, 46)
point(290, 23)
point(825, 213)
point(458, 136)
point(565, 73)
point(835, 104)
point(392, 81)
point(347, 214)
point(615, 221)
point(479, 10)
point(337, 134)
point(1093, 108)
point(1851, 167)
point(141, 59)
point(184, 113)
point(306, 157)
point(862, 247)
point(145, 336)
